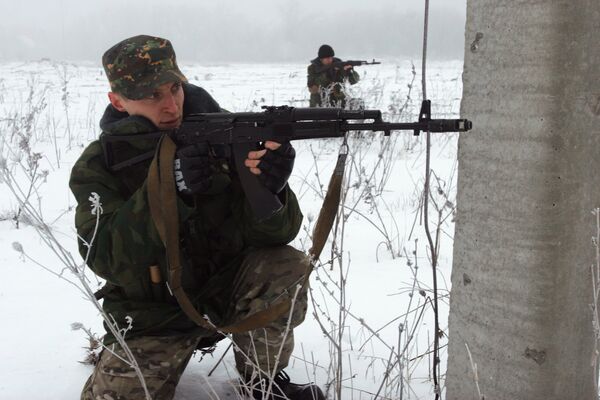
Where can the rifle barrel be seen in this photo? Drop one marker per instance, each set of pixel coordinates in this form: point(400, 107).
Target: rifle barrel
point(432, 125)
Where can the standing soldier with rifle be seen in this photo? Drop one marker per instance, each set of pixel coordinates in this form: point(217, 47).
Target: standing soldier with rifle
point(326, 77)
point(227, 265)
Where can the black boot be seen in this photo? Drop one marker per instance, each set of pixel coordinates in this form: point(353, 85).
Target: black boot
point(281, 389)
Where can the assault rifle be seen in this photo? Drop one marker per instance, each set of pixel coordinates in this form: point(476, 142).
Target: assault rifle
point(342, 64)
point(241, 131)
point(353, 63)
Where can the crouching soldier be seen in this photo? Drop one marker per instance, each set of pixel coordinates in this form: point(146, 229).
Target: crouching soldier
point(326, 82)
point(233, 265)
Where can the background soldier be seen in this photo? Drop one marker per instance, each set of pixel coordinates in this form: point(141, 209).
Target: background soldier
point(325, 83)
point(233, 265)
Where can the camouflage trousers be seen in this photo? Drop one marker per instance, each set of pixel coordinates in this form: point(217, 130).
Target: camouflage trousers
point(264, 276)
point(328, 96)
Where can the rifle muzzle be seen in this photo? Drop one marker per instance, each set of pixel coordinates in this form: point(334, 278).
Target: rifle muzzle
point(449, 125)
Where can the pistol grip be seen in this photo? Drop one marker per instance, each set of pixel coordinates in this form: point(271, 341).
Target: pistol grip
point(262, 202)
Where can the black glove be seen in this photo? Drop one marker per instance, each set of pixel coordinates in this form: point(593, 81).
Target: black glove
point(192, 169)
point(276, 167)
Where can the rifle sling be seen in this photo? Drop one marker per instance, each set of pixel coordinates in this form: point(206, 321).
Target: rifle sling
point(162, 199)
point(163, 209)
point(328, 209)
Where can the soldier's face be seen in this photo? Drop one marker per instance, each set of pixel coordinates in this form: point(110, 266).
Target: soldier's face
point(327, 60)
point(164, 107)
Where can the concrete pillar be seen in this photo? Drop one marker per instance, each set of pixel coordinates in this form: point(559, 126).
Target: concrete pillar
point(528, 177)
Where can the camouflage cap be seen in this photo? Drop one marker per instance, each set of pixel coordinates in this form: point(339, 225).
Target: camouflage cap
point(137, 65)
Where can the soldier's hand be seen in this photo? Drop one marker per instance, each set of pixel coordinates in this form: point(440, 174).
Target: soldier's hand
point(347, 67)
point(273, 164)
point(192, 169)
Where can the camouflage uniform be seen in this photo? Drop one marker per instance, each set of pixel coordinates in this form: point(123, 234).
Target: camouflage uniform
point(329, 82)
point(233, 264)
point(162, 359)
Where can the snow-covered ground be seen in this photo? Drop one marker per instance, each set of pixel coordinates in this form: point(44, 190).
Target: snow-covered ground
point(383, 241)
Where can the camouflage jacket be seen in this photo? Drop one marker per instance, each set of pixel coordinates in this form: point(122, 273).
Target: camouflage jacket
point(217, 230)
point(329, 82)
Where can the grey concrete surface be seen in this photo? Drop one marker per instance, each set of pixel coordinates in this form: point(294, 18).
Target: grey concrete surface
point(528, 179)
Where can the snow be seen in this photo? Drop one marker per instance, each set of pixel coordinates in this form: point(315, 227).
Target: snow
point(40, 352)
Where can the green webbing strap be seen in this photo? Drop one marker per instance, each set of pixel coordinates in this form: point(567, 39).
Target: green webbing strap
point(329, 209)
point(162, 198)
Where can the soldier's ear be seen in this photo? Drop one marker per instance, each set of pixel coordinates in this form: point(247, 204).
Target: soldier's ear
point(117, 101)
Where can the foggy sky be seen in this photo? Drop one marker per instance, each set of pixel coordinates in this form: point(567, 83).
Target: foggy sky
point(232, 31)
